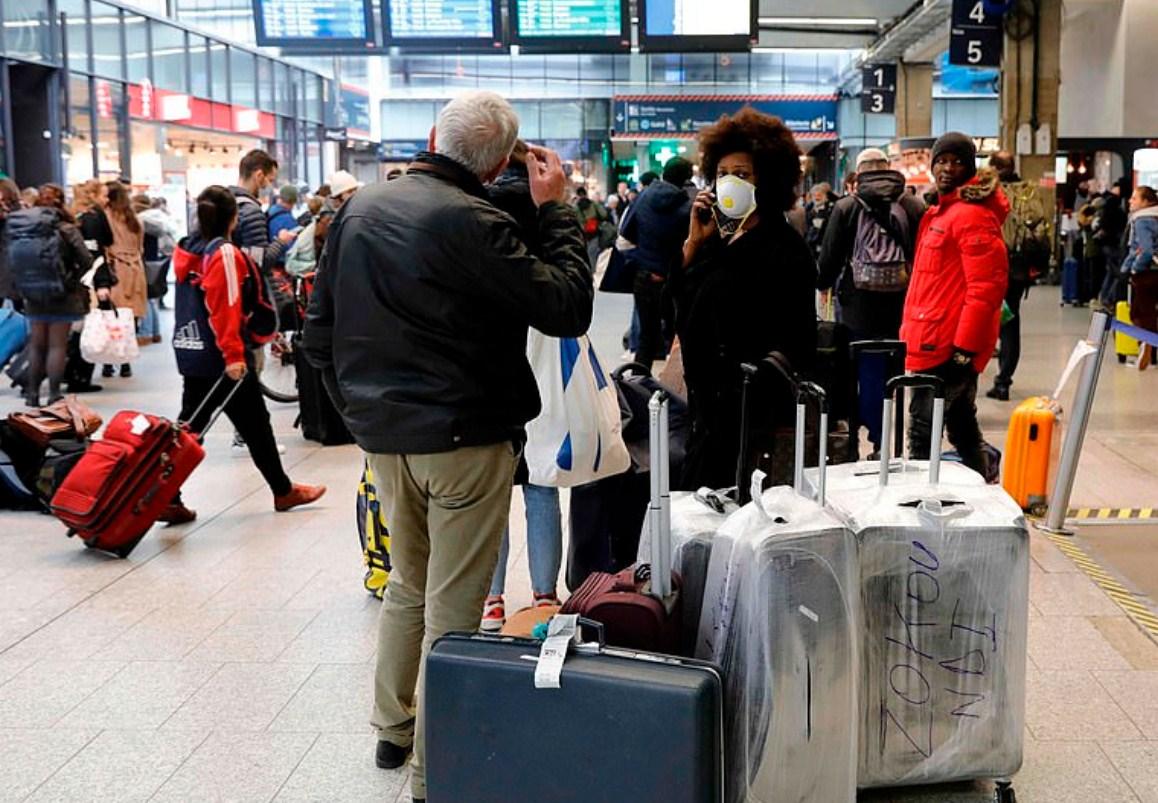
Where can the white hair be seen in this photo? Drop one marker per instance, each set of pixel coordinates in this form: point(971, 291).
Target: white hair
point(477, 130)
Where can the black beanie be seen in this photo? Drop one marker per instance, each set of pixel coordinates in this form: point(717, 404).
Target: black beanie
point(960, 146)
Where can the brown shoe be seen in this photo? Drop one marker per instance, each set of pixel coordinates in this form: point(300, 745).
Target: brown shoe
point(177, 514)
point(298, 495)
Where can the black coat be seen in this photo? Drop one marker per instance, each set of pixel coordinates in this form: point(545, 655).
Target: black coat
point(735, 304)
point(94, 227)
point(420, 313)
point(252, 232)
point(658, 225)
point(880, 189)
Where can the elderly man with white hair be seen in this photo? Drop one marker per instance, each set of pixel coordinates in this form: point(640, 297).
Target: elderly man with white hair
point(419, 323)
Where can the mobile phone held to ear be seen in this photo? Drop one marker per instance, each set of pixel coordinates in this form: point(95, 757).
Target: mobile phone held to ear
point(704, 215)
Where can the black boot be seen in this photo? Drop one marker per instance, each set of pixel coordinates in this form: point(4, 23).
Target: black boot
point(390, 756)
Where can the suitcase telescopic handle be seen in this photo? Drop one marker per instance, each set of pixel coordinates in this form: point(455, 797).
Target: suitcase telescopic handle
point(914, 381)
point(804, 392)
point(659, 505)
point(781, 365)
point(220, 408)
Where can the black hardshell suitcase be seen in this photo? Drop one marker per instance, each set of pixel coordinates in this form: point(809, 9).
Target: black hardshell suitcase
point(624, 726)
point(319, 418)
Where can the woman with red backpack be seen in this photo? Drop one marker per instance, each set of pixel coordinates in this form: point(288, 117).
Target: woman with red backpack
point(221, 308)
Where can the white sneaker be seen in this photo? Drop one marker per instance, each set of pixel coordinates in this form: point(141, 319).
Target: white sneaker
point(241, 450)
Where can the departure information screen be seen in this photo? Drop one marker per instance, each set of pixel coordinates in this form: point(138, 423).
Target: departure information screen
point(441, 19)
point(569, 18)
point(699, 18)
point(317, 23)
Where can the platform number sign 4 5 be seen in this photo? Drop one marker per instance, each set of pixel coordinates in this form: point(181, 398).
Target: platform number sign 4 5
point(879, 89)
point(975, 37)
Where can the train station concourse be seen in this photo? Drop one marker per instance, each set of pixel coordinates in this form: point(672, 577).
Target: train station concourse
point(579, 401)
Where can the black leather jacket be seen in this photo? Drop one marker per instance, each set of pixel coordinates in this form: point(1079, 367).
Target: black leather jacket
point(420, 313)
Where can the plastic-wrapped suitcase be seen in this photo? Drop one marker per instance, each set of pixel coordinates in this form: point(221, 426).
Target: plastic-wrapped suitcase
point(115, 493)
point(1030, 444)
point(944, 571)
point(622, 726)
point(781, 616)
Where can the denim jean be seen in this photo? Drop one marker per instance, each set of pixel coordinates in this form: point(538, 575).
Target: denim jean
point(151, 323)
point(544, 541)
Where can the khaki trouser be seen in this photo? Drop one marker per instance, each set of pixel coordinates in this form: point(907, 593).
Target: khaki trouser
point(446, 513)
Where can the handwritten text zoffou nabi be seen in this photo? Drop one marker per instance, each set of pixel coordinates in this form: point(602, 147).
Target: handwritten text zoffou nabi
point(937, 656)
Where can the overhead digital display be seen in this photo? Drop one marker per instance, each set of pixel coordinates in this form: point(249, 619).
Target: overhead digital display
point(681, 25)
point(441, 25)
point(313, 24)
point(571, 25)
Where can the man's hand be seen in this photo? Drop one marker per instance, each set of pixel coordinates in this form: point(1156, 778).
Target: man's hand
point(103, 294)
point(287, 235)
point(546, 175)
point(236, 371)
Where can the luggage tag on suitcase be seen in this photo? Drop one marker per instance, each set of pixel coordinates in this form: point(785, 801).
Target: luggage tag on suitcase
point(562, 630)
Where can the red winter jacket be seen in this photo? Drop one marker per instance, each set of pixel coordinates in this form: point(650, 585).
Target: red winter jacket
point(221, 280)
point(960, 274)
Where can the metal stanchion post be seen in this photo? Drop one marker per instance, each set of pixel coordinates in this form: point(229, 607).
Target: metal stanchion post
point(1059, 500)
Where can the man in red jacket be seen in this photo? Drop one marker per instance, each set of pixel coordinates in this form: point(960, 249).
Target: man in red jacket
point(953, 308)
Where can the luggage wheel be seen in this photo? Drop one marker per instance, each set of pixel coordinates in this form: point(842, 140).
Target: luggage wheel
point(1122, 359)
point(1039, 509)
point(1003, 793)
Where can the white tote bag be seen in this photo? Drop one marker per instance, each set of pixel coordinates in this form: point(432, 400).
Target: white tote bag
point(577, 438)
point(109, 337)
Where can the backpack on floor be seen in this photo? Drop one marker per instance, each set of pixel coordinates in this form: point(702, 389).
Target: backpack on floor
point(34, 254)
point(374, 536)
point(879, 261)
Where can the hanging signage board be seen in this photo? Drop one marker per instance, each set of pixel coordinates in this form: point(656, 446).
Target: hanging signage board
point(975, 36)
point(879, 89)
point(682, 116)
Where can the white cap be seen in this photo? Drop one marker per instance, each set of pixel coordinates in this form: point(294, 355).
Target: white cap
point(342, 182)
point(870, 155)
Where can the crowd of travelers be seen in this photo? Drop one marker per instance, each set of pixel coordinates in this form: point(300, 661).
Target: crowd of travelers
point(424, 288)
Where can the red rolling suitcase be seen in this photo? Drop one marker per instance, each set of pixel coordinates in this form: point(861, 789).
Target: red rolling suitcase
point(116, 491)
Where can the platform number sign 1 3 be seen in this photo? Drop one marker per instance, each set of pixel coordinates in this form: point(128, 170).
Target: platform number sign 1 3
point(975, 37)
point(879, 89)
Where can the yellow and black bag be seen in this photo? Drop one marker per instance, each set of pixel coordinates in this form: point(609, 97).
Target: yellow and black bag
point(373, 534)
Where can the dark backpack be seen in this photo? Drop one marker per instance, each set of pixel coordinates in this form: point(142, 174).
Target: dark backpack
point(34, 254)
point(879, 259)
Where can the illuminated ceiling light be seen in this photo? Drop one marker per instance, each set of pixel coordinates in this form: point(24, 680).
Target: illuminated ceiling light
point(841, 22)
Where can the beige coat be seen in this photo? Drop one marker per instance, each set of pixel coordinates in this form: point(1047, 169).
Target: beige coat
point(126, 259)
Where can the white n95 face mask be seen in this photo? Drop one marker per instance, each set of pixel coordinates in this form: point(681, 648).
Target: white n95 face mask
point(735, 197)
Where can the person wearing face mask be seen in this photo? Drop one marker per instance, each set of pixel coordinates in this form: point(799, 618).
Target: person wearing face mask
point(953, 308)
point(745, 288)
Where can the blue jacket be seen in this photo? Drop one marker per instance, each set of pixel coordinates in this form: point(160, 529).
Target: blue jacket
point(1143, 241)
point(280, 219)
point(658, 225)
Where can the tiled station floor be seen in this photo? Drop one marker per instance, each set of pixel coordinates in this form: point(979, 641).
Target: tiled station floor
point(231, 659)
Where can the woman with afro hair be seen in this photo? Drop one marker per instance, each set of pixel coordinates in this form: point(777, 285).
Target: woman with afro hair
point(746, 288)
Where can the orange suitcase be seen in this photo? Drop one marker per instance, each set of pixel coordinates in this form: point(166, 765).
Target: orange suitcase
point(1030, 447)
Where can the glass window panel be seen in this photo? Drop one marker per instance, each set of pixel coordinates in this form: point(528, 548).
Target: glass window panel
point(596, 118)
point(768, 71)
point(219, 71)
point(562, 73)
point(699, 68)
point(265, 97)
point(528, 71)
point(800, 71)
point(137, 56)
point(243, 76)
point(528, 111)
point(169, 58)
point(408, 119)
point(108, 58)
point(313, 101)
point(665, 68)
point(562, 120)
point(198, 66)
point(78, 139)
point(285, 89)
point(76, 14)
point(732, 68)
point(26, 32)
point(109, 157)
